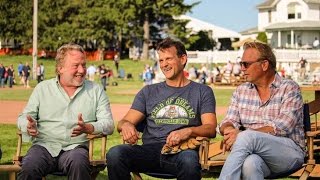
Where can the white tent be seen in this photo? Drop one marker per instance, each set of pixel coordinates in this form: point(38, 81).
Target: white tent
point(217, 32)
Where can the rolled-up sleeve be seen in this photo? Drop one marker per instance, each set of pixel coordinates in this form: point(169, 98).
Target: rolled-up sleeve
point(104, 123)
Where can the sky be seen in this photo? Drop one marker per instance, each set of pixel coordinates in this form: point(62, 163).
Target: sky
point(236, 15)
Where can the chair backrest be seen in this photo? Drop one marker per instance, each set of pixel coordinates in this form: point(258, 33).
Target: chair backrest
point(312, 110)
point(306, 117)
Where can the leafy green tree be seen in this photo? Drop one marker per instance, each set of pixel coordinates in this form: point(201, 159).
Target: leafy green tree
point(153, 16)
point(16, 21)
point(203, 42)
point(262, 36)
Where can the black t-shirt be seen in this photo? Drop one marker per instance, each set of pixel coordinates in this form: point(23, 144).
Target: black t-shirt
point(171, 108)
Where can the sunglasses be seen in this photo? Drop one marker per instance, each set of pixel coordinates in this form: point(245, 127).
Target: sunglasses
point(247, 64)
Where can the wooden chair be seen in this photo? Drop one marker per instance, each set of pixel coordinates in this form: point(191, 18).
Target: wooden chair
point(97, 165)
point(212, 158)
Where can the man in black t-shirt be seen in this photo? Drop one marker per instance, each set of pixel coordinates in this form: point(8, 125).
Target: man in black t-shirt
point(25, 74)
point(174, 111)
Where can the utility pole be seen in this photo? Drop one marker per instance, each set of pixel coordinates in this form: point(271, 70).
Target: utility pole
point(35, 39)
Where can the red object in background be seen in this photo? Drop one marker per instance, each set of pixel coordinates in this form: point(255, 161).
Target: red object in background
point(186, 73)
point(91, 55)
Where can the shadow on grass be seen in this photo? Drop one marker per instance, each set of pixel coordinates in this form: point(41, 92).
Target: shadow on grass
point(101, 176)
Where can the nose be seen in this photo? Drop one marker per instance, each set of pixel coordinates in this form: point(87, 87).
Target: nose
point(81, 68)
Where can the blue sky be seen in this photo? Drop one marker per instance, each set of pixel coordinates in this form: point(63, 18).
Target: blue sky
point(236, 15)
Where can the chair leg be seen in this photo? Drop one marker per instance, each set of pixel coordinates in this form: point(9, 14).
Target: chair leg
point(12, 175)
point(306, 172)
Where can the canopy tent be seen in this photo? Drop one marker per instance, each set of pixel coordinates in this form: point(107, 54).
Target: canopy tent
point(217, 32)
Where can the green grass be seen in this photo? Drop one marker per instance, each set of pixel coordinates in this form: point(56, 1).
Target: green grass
point(123, 93)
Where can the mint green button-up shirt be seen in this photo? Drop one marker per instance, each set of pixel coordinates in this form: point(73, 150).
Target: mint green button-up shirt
point(57, 114)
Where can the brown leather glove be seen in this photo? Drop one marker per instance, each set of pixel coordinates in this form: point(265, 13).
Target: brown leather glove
point(191, 143)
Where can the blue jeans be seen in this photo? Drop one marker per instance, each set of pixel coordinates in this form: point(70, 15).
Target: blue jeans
point(104, 83)
point(256, 155)
point(2, 82)
point(123, 159)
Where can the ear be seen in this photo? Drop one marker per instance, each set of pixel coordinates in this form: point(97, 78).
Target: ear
point(265, 65)
point(59, 68)
point(183, 59)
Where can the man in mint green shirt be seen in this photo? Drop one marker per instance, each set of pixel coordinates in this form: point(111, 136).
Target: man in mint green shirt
point(59, 114)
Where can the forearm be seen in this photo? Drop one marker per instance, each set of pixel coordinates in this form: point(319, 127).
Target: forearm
point(205, 130)
point(120, 123)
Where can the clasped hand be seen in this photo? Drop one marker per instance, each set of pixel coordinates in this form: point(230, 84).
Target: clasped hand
point(129, 133)
point(229, 137)
point(175, 137)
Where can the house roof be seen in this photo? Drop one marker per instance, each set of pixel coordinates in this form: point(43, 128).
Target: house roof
point(217, 32)
point(267, 4)
point(250, 31)
point(272, 3)
point(299, 25)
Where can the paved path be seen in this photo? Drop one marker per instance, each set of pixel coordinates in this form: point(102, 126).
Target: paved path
point(10, 110)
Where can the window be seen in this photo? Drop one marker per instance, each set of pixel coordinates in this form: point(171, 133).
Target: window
point(294, 11)
point(289, 38)
point(269, 16)
point(299, 15)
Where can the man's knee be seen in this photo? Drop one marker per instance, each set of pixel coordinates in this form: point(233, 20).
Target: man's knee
point(254, 165)
point(116, 154)
point(189, 160)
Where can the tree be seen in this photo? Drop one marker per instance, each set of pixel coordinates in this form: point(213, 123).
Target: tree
point(262, 36)
point(153, 15)
point(203, 42)
point(16, 21)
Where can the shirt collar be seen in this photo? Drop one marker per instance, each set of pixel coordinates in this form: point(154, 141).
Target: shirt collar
point(275, 83)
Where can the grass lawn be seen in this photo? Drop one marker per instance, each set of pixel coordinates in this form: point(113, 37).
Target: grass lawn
point(123, 93)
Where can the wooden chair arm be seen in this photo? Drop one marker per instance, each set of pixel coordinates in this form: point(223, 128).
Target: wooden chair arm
point(312, 133)
point(203, 153)
point(17, 157)
point(102, 160)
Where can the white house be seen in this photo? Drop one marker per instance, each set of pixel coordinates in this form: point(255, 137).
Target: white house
point(219, 34)
point(291, 24)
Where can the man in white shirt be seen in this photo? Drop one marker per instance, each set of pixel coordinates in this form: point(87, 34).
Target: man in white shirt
point(91, 71)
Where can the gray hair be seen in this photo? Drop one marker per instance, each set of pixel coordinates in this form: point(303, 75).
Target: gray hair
point(62, 52)
point(265, 51)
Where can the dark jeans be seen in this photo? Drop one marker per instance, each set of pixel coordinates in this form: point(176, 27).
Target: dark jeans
point(104, 83)
point(123, 159)
point(38, 163)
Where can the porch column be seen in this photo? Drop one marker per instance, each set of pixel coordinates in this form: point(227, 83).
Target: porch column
point(292, 39)
point(279, 39)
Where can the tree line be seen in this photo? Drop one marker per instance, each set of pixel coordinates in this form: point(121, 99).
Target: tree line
point(96, 24)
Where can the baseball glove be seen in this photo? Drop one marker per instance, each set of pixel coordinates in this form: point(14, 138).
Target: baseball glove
point(191, 143)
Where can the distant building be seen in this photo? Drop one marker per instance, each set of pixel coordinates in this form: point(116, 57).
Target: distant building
point(224, 37)
point(290, 24)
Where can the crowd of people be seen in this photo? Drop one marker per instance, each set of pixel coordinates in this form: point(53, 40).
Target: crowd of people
point(8, 77)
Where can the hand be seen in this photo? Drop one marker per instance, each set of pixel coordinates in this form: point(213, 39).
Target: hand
point(81, 128)
point(175, 137)
point(129, 133)
point(32, 127)
point(229, 137)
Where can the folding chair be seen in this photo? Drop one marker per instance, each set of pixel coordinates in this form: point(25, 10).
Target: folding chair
point(212, 158)
point(97, 165)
